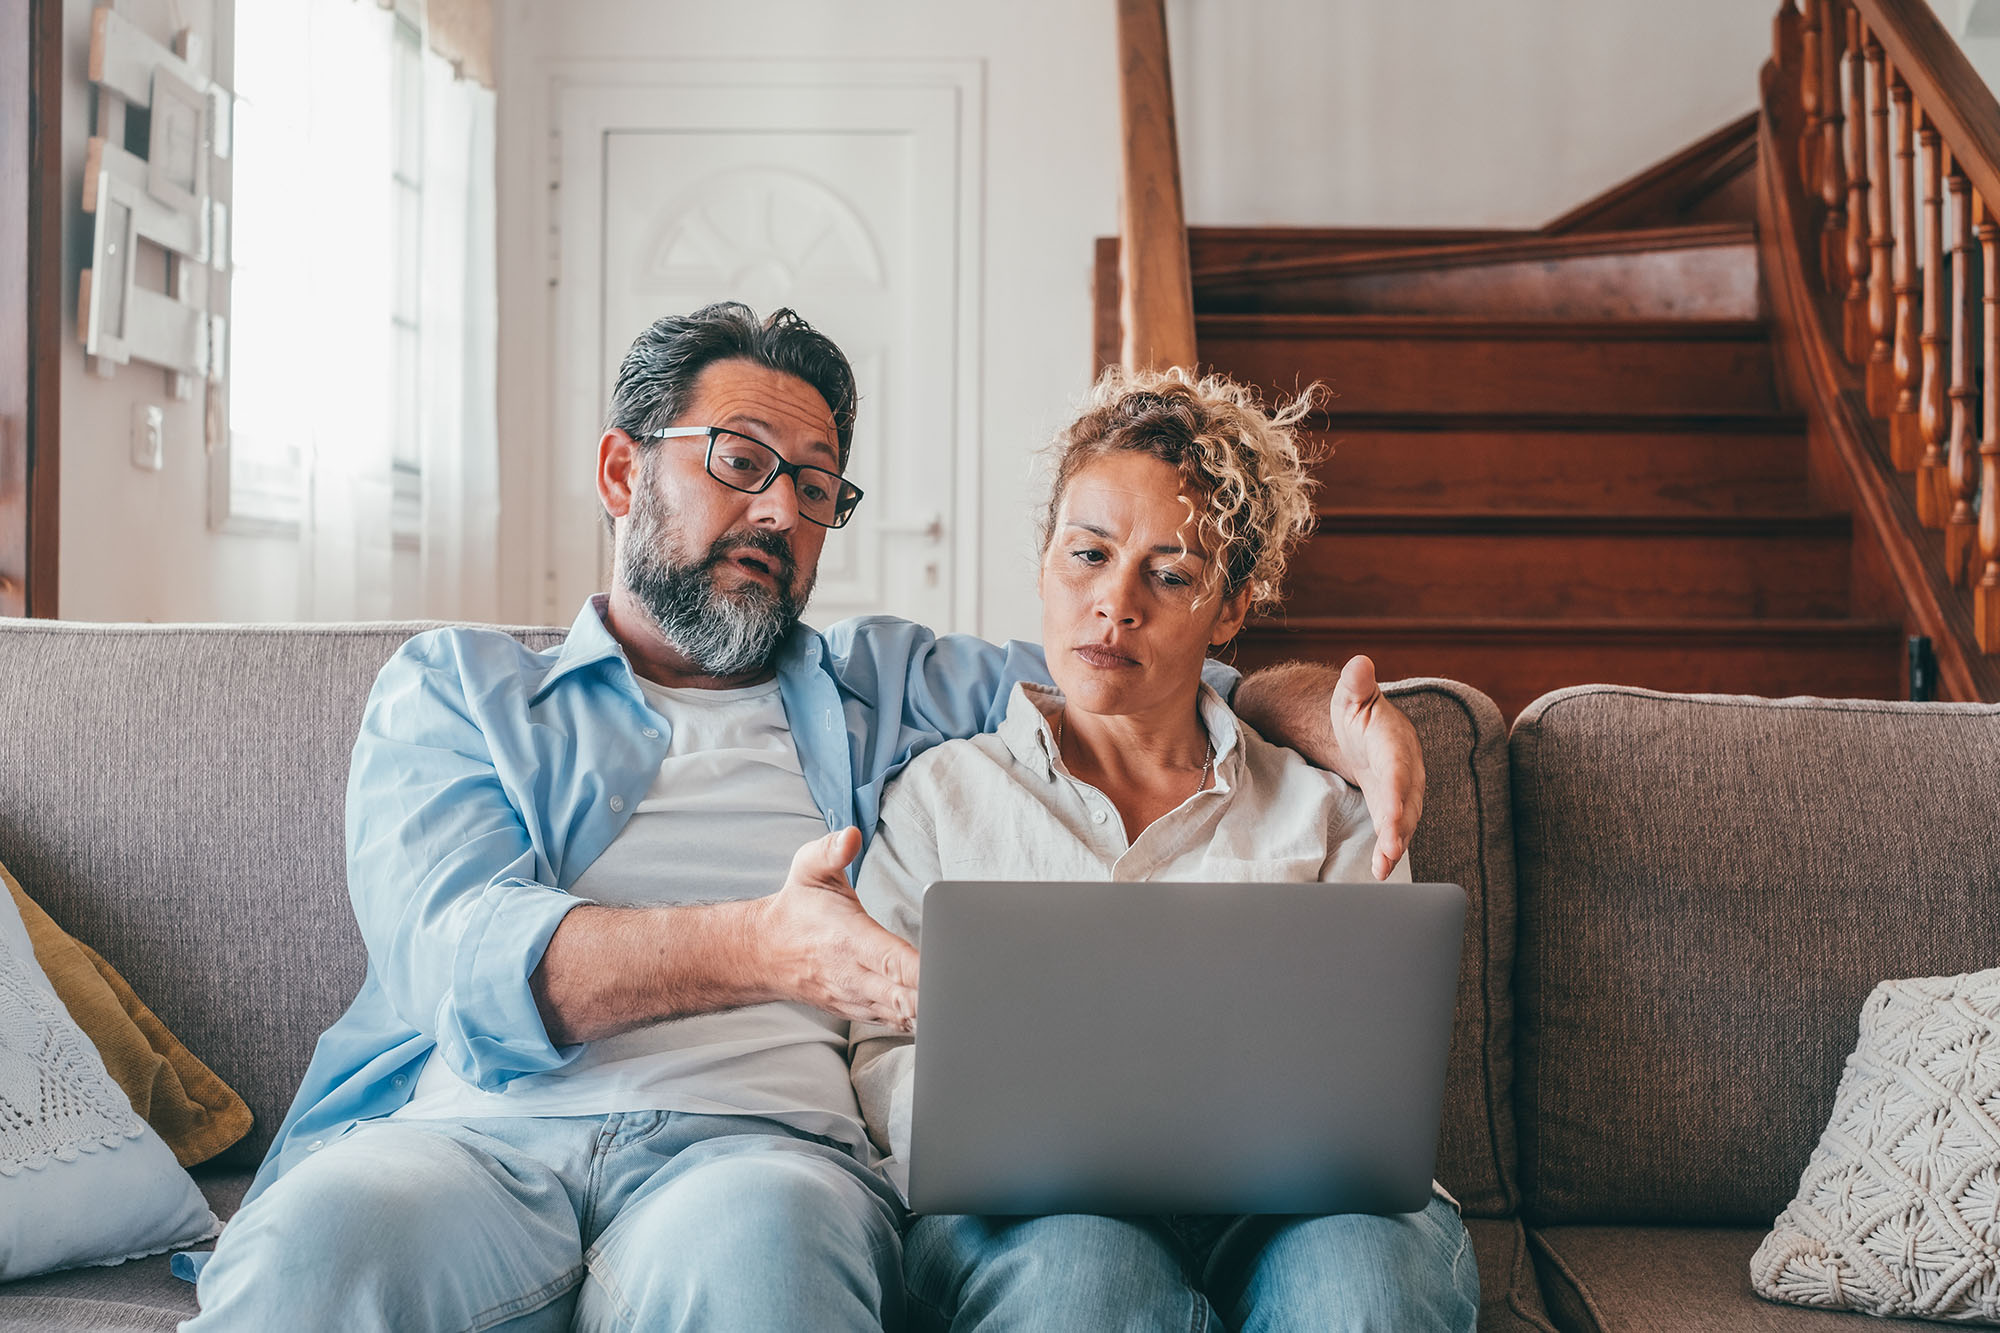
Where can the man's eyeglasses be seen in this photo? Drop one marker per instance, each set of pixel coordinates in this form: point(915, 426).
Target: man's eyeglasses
point(745, 464)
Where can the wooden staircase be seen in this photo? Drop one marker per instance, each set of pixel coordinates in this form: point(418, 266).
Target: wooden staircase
point(1551, 457)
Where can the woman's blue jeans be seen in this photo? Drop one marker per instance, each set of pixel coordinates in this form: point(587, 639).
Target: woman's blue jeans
point(646, 1219)
point(1410, 1273)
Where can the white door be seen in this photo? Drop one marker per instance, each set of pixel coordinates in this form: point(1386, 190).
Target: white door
point(842, 202)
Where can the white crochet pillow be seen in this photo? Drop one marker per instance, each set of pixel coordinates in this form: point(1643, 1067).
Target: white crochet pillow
point(1898, 1211)
point(83, 1180)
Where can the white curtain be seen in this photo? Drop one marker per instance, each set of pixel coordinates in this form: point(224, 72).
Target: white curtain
point(316, 308)
point(458, 385)
point(344, 360)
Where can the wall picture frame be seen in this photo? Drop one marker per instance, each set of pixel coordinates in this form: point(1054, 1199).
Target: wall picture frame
point(105, 294)
point(177, 143)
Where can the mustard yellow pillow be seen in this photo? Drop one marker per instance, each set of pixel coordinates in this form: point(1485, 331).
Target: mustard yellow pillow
point(180, 1097)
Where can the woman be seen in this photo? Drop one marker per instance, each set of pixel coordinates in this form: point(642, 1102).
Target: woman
point(1174, 507)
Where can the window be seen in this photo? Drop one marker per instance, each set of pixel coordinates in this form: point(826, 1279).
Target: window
point(302, 136)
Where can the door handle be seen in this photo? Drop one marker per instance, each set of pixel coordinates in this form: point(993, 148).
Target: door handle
point(933, 529)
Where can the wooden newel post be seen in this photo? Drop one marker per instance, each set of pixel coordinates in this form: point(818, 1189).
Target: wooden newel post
point(1156, 304)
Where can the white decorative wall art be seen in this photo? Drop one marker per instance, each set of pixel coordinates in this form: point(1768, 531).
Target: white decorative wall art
point(165, 199)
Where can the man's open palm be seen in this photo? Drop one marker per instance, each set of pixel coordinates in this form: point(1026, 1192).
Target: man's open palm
point(1388, 762)
point(829, 952)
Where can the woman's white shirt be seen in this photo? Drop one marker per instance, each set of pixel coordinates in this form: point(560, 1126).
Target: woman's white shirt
point(1003, 806)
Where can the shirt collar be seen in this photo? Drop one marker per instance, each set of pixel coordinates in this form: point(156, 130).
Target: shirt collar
point(589, 643)
point(1027, 734)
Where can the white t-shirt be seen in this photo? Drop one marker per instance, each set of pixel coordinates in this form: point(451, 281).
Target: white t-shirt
point(725, 813)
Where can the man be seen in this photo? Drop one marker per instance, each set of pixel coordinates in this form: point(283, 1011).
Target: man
point(596, 1075)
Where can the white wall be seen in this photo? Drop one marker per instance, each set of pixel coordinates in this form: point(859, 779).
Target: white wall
point(1458, 113)
point(1305, 112)
point(135, 545)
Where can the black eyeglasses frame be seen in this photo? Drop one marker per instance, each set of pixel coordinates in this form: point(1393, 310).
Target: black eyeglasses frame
point(847, 497)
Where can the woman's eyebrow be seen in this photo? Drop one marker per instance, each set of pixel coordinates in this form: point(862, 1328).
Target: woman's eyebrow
point(1165, 548)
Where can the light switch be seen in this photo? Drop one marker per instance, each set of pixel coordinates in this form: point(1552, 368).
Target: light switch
point(149, 423)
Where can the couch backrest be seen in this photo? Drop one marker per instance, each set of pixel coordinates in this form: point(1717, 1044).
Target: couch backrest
point(1710, 886)
point(1466, 838)
point(173, 796)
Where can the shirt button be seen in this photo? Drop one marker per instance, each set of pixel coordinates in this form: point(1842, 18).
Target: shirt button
point(1097, 816)
point(400, 1080)
point(617, 804)
point(651, 733)
point(315, 1145)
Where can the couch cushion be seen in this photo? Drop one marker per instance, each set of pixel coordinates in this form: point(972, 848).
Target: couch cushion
point(1711, 885)
point(1510, 1301)
point(174, 795)
point(138, 1295)
point(1466, 838)
point(1666, 1280)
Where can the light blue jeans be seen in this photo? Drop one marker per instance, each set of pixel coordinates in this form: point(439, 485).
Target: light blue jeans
point(647, 1219)
point(1410, 1273)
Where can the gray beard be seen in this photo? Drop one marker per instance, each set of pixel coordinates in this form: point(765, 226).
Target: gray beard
point(723, 633)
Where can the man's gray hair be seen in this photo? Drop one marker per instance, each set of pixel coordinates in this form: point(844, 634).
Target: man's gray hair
point(660, 368)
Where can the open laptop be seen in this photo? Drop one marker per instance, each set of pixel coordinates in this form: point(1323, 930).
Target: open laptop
point(1182, 1048)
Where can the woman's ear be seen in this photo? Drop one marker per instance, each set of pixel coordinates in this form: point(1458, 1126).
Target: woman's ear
point(1229, 618)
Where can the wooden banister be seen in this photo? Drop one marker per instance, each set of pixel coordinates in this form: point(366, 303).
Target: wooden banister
point(1874, 237)
point(1157, 297)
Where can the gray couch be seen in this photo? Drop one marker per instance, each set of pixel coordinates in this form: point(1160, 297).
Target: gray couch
point(1678, 905)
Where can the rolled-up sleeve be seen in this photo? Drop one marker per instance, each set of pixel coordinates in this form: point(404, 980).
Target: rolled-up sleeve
point(446, 884)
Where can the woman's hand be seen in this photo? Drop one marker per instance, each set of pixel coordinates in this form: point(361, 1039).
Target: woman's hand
point(826, 951)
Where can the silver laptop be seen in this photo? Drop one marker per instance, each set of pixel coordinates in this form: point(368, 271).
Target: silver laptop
point(1182, 1048)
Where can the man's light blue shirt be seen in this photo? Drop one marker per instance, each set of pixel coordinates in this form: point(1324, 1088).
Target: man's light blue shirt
point(487, 777)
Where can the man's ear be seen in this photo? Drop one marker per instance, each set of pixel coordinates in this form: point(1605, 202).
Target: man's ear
point(617, 472)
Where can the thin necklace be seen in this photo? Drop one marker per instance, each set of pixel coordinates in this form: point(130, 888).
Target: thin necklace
point(1207, 765)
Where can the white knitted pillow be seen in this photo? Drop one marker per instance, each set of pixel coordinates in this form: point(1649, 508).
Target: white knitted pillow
point(1898, 1211)
point(83, 1180)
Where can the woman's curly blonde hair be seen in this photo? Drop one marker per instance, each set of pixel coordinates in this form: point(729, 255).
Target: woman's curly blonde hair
point(1246, 473)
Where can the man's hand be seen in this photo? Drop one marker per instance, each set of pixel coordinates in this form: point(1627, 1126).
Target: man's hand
point(1388, 764)
point(1345, 724)
point(826, 950)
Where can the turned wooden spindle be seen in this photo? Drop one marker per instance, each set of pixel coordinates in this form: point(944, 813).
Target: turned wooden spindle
point(1930, 398)
point(1809, 111)
point(1854, 322)
point(1955, 496)
point(1881, 282)
point(1986, 587)
point(1832, 169)
point(1906, 446)
point(1961, 467)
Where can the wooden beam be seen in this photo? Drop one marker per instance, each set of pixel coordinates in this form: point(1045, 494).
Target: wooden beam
point(1157, 304)
point(30, 290)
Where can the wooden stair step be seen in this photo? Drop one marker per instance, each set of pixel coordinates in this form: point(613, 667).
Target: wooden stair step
point(1688, 272)
point(1750, 464)
point(1397, 363)
point(1518, 661)
point(1572, 566)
